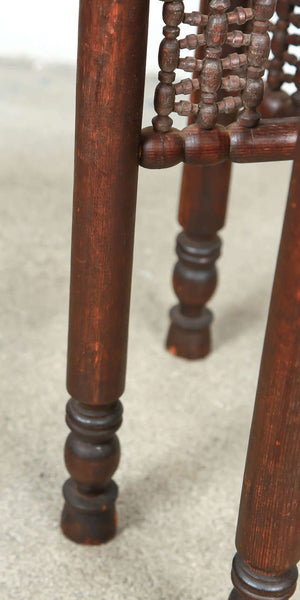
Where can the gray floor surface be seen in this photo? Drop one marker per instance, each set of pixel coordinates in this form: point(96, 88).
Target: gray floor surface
point(186, 424)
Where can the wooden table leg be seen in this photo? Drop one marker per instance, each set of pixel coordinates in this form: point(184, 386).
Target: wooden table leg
point(110, 85)
point(268, 532)
point(202, 211)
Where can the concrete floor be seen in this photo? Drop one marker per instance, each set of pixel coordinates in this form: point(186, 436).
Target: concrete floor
point(186, 423)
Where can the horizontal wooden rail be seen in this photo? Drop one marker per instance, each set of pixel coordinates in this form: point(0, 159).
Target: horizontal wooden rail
point(271, 139)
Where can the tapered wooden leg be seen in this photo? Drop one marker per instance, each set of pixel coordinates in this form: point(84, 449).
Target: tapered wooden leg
point(110, 83)
point(268, 532)
point(202, 210)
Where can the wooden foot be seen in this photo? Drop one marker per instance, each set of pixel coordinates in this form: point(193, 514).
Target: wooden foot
point(257, 586)
point(89, 520)
point(189, 337)
point(92, 455)
point(110, 85)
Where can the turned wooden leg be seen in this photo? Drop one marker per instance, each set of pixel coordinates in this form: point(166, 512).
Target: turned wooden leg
point(268, 532)
point(202, 210)
point(110, 83)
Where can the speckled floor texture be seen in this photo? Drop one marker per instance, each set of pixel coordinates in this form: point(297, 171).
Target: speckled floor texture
point(186, 424)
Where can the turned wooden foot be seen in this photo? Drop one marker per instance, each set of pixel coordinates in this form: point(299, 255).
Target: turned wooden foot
point(250, 584)
point(92, 455)
point(189, 336)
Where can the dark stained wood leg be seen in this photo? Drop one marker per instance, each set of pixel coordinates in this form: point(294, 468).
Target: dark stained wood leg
point(268, 531)
point(110, 85)
point(202, 211)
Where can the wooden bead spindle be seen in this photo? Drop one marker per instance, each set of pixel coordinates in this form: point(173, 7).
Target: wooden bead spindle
point(258, 54)
point(168, 58)
point(215, 37)
point(295, 20)
point(212, 69)
point(279, 44)
point(276, 101)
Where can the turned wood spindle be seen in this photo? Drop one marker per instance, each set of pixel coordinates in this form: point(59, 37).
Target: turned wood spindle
point(212, 69)
point(216, 36)
point(204, 190)
point(277, 102)
point(258, 54)
point(168, 58)
point(295, 19)
point(279, 44)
